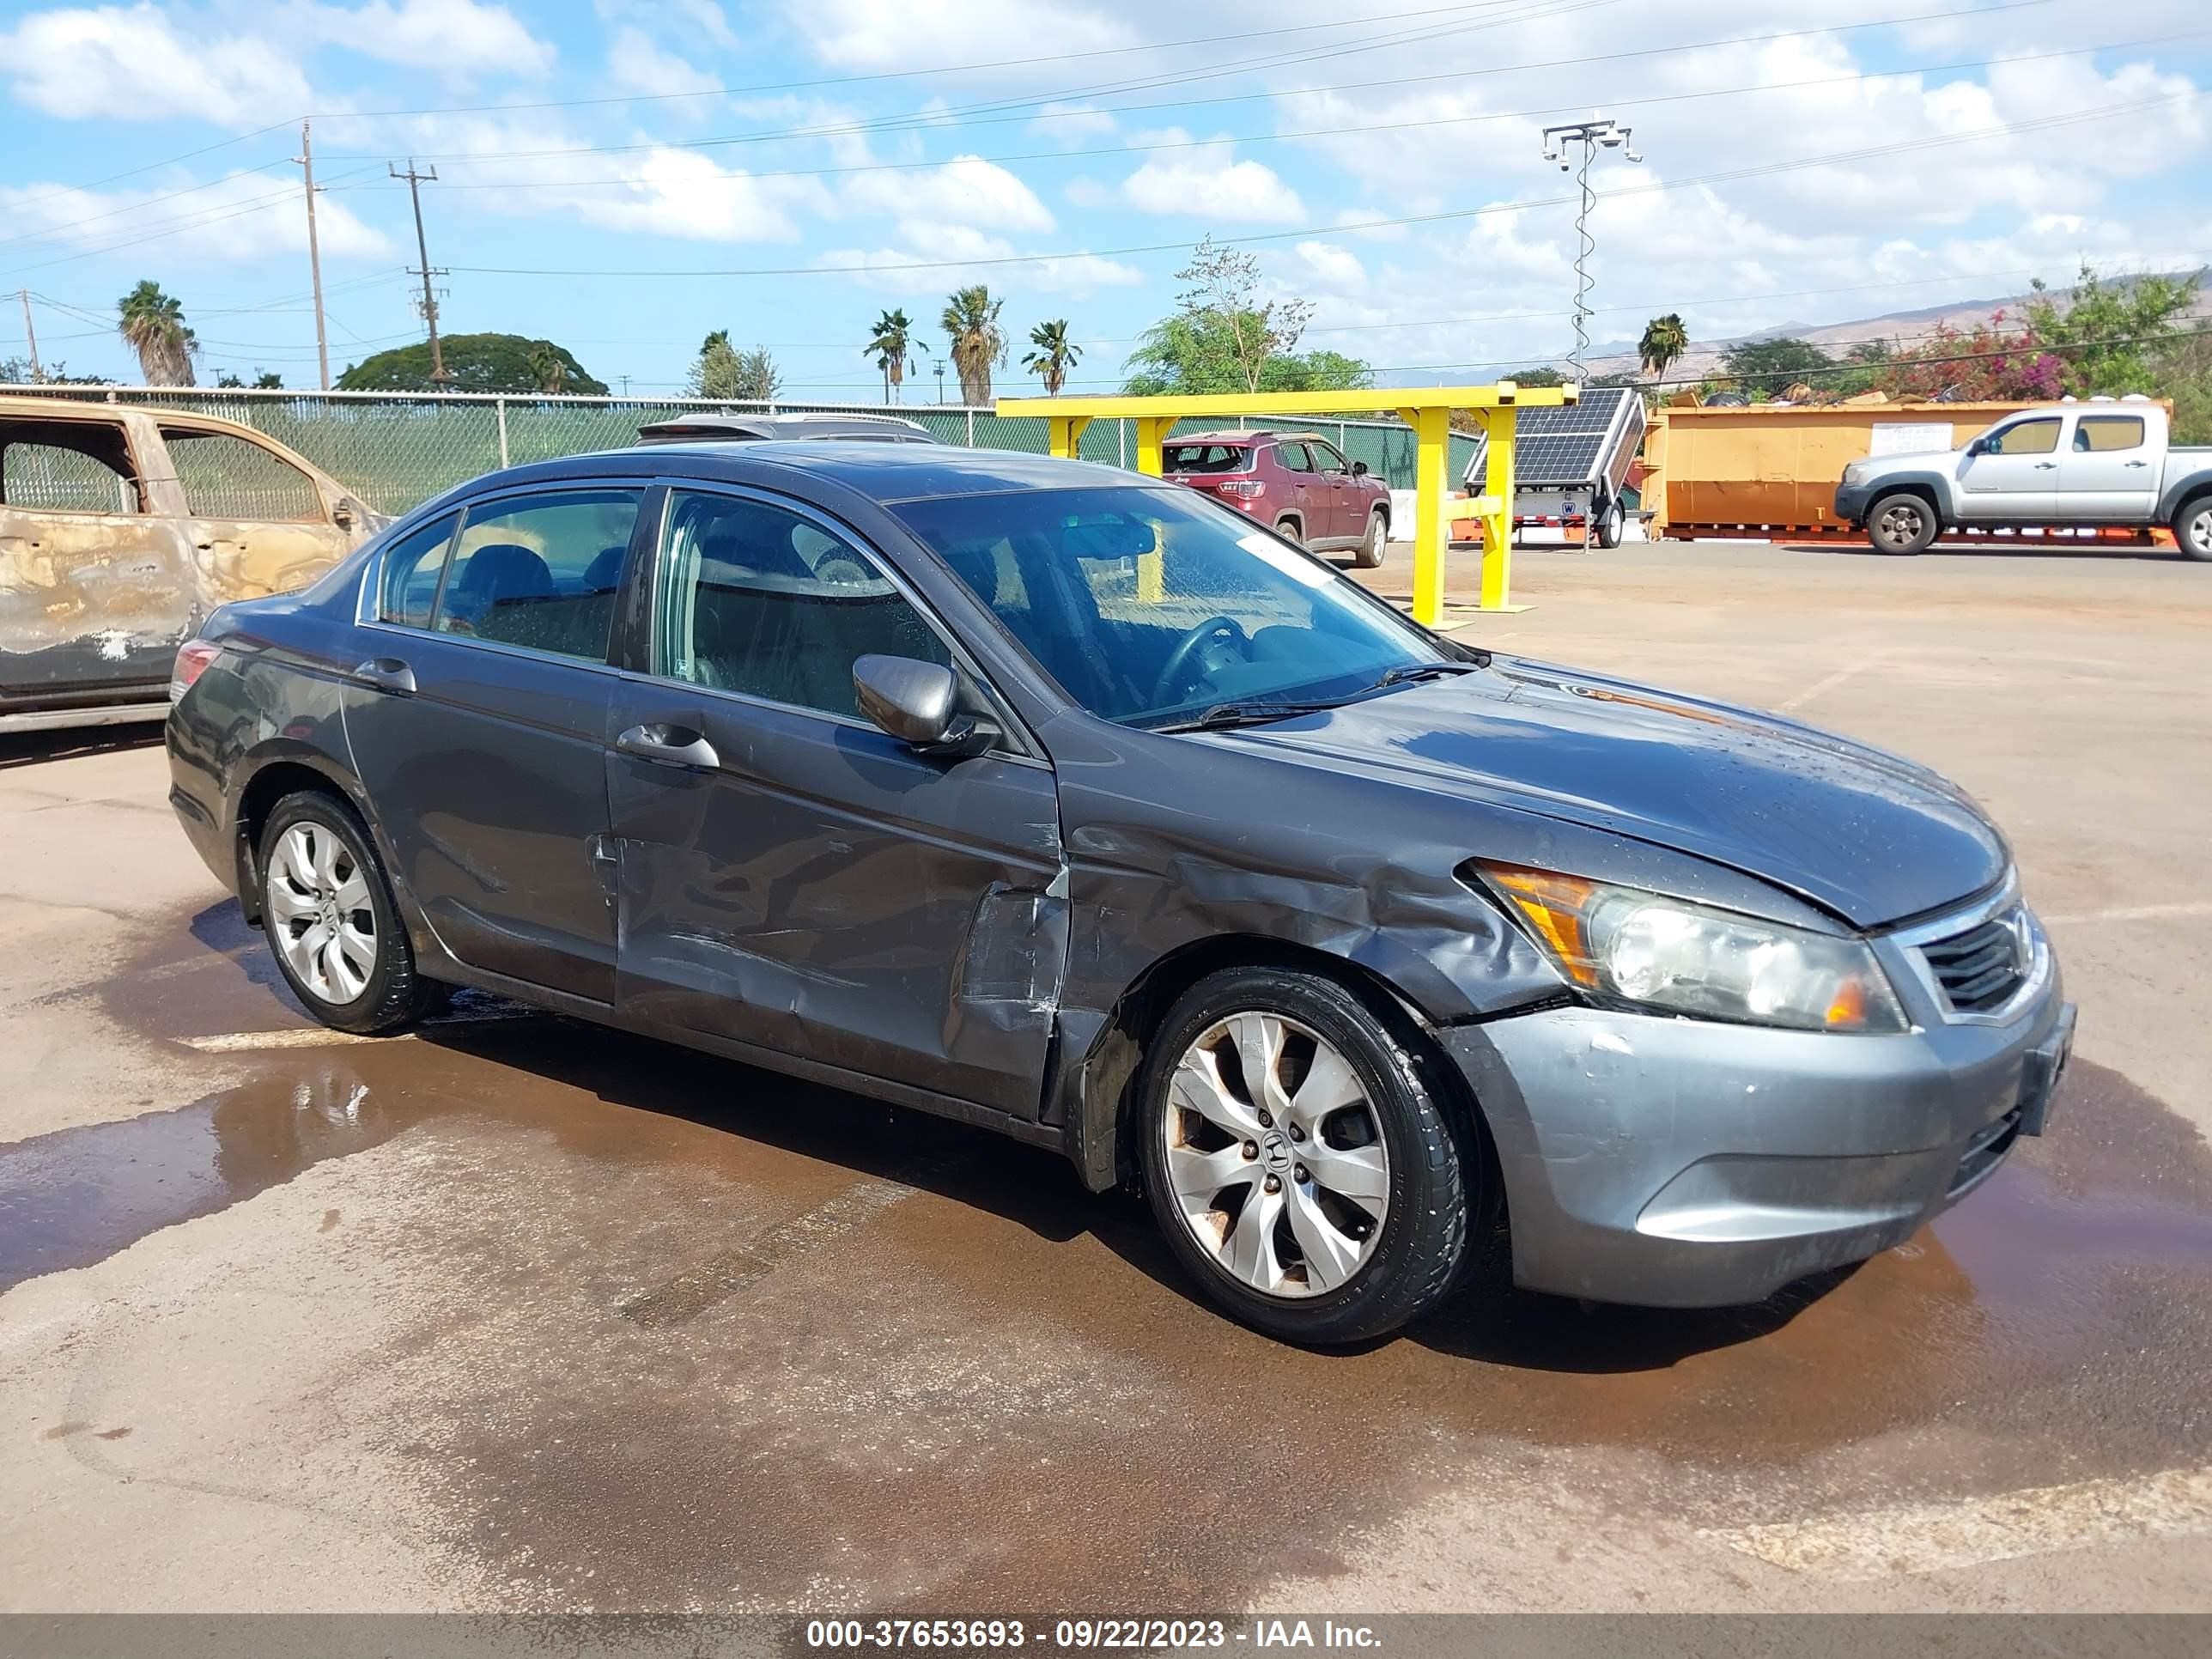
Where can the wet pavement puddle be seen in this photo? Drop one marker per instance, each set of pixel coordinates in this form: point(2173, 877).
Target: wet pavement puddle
point(937, 1363)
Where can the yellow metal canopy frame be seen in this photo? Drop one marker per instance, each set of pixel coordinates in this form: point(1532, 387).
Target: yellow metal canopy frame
point(1426, 410)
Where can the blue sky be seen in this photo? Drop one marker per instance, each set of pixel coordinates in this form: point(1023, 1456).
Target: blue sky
point(623, 176)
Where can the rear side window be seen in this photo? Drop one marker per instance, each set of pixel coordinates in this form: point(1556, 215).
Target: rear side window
point(1204, 458)
point(2028, 438)
point(758, 600)
point(68, 466)
point(2102, 432)
point(412, 566)
point(540, 571)
point(225, 477)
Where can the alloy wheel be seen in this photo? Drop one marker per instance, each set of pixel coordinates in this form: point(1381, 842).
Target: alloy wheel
point(1900, 526)
point(319, 913)
point(1276, 1156)
point(2199, 532)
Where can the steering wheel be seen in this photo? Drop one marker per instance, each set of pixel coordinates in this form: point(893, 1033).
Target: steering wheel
point(1226, 629)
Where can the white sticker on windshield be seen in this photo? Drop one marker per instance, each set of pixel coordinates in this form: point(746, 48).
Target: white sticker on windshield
point(1296, 566)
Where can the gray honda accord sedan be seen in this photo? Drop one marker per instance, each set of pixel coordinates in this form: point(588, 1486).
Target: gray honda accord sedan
point(1067, 802)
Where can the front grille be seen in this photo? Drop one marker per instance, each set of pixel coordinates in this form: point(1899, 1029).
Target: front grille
point(1981, 969)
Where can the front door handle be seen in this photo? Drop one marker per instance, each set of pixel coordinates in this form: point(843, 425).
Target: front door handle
point(2045, 467)
point(2138, 463)
point(669, 745)
point(387, 674)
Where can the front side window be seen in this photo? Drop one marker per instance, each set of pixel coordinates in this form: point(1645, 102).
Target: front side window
point(411, 567)
point(758, 600)
point(540, 571)
point(1294, 458)
point(2098, 433)
point(225, 476)
point(1149, 605)
point(1325, 458)
point(2027, 438)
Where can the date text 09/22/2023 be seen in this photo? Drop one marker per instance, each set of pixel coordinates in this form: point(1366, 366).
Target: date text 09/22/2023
point(1140, 1634)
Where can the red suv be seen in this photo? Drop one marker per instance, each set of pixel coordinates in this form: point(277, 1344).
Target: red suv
point(1294, 481)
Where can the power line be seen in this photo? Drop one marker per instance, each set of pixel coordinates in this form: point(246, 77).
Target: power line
point(1762, 170)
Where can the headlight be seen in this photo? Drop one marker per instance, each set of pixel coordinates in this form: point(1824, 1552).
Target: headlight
point(1666, 953)
point(1854, 474)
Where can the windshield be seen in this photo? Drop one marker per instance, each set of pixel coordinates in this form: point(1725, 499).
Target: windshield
point(1151, 604)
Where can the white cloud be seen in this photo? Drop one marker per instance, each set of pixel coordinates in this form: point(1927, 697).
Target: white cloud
point(242, 215)
point(453, 39)
point(1208, 182)
point(1069, 125)
point(966, 191)
point(945, 250)
point(115, 63)
point(638, 65)
point(909, 34)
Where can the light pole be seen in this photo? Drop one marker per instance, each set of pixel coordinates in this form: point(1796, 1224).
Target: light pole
point(940, 382)
point(1559, 143)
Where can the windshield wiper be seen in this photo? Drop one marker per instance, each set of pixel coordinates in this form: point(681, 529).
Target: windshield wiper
point(1422, 670)
point(1224, 715)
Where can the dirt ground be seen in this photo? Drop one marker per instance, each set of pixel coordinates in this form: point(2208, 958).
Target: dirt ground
point(517, 1314)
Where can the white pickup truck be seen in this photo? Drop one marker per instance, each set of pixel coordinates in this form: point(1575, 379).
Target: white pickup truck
point(2101, 462)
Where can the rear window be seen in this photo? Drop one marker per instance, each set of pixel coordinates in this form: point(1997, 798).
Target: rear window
point(1206, 458)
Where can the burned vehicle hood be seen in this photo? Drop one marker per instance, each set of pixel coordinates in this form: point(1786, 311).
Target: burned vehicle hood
point(1866, 834)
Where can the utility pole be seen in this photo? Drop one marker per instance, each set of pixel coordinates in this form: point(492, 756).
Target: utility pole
point(438, 374)
point(31, 334)
point(306, 158)
point(1593, 135)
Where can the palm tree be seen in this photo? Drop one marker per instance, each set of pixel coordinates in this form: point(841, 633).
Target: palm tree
point(892, 345)
point(153, 325)
point(973, 339)
point(1055, 355)
point(1664, 342)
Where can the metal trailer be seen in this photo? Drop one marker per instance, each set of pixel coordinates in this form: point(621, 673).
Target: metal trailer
point(1571, 464)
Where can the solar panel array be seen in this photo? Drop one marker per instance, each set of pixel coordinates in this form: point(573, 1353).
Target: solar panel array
point(1563, 446)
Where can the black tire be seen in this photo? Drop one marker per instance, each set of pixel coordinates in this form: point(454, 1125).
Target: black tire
point(1368, 556)
point(1901, 523)
point(1422, 1238)
point(1289, 529)
point(395, 995)
point(1610, 524)
point(2192, 528)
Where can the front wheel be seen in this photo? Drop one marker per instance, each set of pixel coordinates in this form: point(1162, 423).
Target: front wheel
point(2192, 528)
point(1301, 1170)
point(1901, 523)
point(1610, 523)
point(332, 922)
point(1368, 554)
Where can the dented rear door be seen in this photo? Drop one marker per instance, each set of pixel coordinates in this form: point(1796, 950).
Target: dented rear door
point(96, 589)
point(790, 876)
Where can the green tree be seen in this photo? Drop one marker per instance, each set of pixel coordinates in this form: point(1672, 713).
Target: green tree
point(2109, 333)
point(1664, 342)
point(152, 323)
point(476, 362)
point(263, 380)
point(546, 366)
point(1767, 366)
point(1055, 355)
point(758, 380)
point(727, 374)
point(974, 340)
point(1537, 375)
point(892, 345)
point(16, 371)
point(1221, 302)
point(1198, 353)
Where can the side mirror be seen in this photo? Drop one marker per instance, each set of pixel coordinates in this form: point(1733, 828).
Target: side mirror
point(1359, 468)
point(342, 515)
point(918, 703)
point(1979, 447)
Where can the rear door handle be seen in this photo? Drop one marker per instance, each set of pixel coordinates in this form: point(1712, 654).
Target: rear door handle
point(387, 674)
point(669, 745)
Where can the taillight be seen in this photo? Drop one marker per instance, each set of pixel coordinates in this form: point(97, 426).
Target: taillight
point(192, 658)
point(1247, 488)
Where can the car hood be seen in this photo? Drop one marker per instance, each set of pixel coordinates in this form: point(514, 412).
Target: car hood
point(1866, 834)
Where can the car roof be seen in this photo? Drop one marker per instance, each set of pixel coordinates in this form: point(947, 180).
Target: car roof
point(1257, 435)
point(880, 472)
point(759, 427)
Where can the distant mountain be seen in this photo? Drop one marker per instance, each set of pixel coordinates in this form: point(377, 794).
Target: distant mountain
point(1899, 327)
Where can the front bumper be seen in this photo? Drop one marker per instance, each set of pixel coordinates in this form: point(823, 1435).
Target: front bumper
point(1679, 1162)
point(1852, 502)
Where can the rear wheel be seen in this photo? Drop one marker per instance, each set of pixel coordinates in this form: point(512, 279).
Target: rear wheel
point(1901, 523)
point(2192, 528)
point(1609, 524)
point(1297, 1163)
point(1368, 554)
point(332, 925)
point(1289, 529)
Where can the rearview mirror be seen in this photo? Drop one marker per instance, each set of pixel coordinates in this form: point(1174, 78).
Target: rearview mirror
point(919, 703)
point(1107, 537)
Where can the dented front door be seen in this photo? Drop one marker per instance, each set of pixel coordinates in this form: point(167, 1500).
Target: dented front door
point(814, 886)
point(255, 523)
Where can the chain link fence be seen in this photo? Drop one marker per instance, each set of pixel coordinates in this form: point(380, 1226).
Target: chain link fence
point(395, 450)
